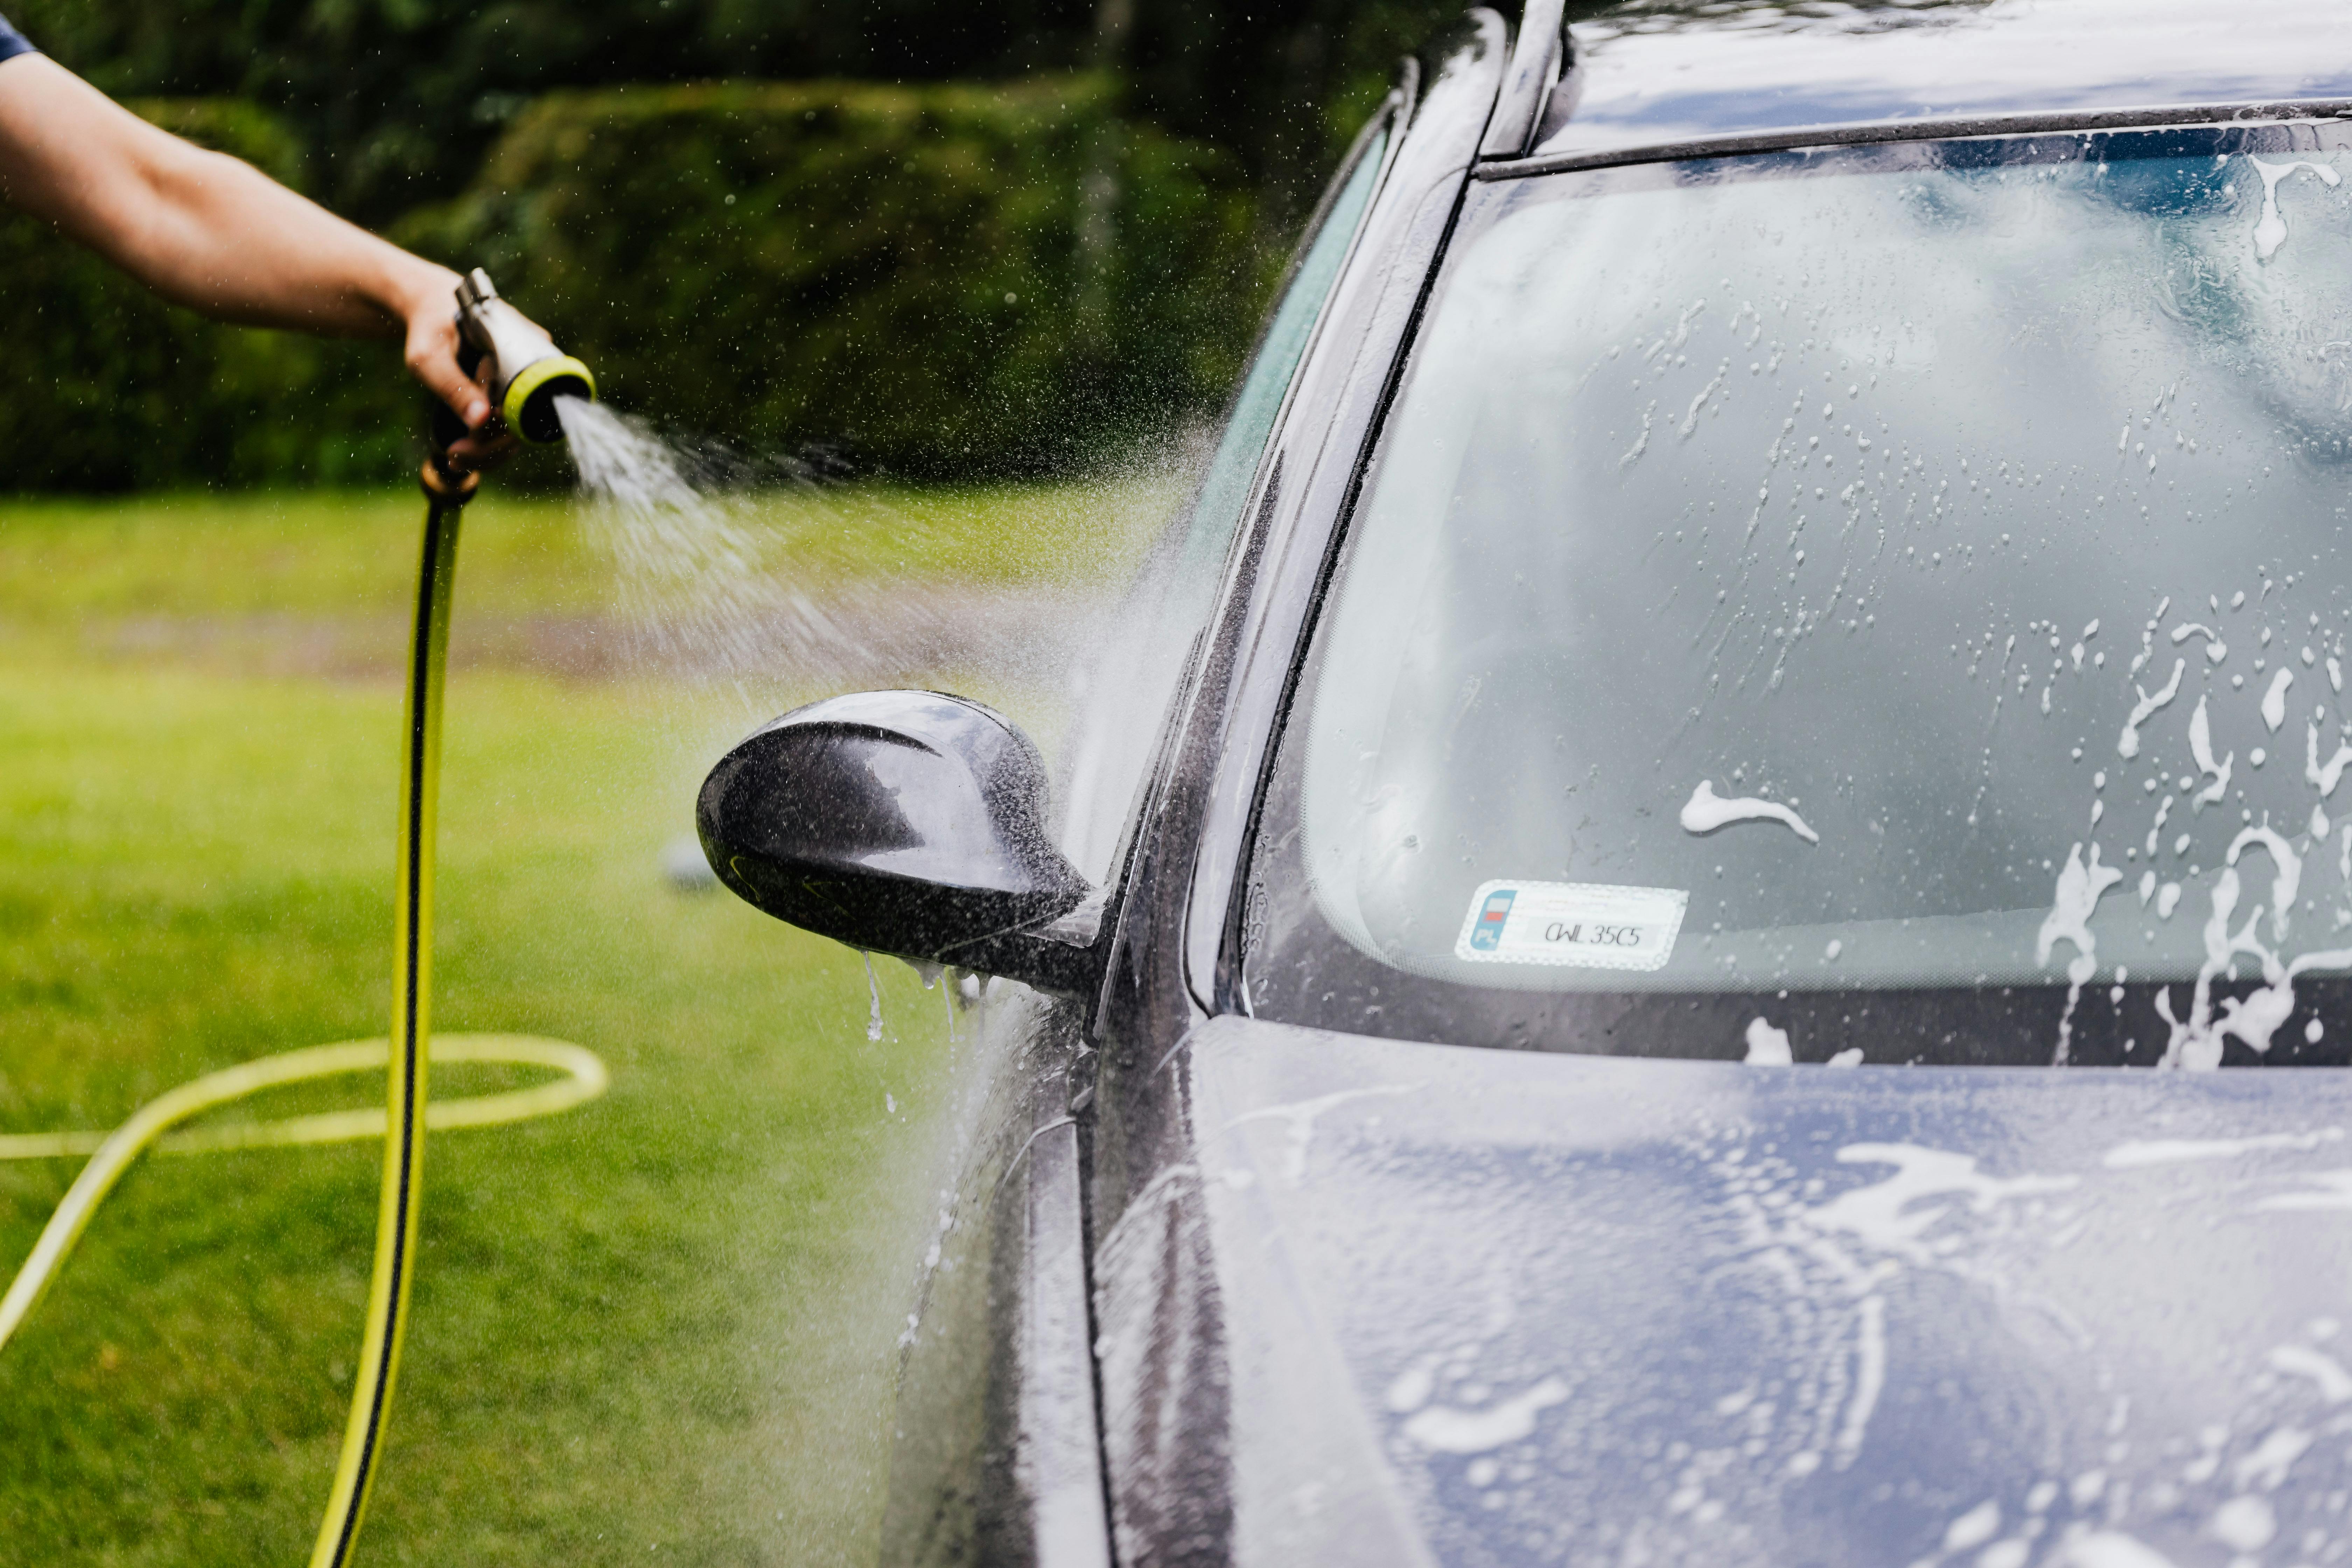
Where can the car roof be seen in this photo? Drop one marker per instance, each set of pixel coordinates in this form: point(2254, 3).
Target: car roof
point(1650, 72)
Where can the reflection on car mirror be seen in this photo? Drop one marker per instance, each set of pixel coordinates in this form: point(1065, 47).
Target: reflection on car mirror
point(910, 822)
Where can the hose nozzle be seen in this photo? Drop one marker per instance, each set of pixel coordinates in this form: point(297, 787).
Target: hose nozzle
point(528, 372)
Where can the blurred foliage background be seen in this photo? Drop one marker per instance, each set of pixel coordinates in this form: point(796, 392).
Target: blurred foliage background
point(933, 239)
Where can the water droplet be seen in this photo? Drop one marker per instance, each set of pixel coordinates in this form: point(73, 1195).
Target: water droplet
point(873, 999)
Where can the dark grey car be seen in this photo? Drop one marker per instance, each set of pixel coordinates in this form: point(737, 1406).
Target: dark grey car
point(1779, 574)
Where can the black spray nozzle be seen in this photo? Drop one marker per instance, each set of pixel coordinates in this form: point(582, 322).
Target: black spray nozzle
point(527, 372)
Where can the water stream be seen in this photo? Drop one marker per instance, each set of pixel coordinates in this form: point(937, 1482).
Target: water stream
point(701, 585)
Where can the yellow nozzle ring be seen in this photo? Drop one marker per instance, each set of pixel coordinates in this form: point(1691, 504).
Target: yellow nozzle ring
point(533, 376)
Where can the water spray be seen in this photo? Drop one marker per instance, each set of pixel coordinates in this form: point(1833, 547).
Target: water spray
point(526, 375)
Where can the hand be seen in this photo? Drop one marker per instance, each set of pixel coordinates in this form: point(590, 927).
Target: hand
point(430, 314)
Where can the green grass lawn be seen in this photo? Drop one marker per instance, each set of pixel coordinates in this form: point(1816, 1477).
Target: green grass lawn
point(656, 1329)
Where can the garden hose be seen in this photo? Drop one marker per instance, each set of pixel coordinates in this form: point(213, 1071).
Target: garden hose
point(406, 1118)
point(150, 1128)
point(445, 495)
point(525, 375)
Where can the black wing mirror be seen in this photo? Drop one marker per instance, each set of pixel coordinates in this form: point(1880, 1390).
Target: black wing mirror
point(910, 822)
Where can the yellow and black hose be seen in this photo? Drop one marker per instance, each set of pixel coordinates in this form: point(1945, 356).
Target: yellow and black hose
point(406, 1116)
point(445, 495)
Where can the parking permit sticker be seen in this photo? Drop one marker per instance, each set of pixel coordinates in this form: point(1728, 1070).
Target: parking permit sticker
point(1584, 925)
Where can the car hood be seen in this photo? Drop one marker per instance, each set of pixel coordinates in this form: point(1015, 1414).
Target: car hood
point(1479, 1306)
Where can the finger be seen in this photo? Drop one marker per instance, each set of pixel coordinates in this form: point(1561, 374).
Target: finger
point(432, 360)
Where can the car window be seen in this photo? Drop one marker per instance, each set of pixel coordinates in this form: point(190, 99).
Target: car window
point(1224, 491)
point(1888, 601)
point(1178, 585)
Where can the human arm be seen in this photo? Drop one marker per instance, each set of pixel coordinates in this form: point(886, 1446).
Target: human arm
point(219, 235)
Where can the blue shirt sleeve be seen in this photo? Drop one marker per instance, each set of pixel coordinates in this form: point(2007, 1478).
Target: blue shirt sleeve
point(12, 42)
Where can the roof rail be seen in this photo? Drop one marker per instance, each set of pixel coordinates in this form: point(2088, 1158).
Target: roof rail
point(1536, 62)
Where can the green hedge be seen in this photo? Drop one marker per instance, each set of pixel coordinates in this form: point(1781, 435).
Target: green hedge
point(943, 280)
point(910, 276)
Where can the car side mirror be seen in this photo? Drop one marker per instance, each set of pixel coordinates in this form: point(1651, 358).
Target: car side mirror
point(910, 822)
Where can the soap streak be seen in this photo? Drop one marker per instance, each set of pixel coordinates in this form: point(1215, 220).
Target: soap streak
point(2127, 744)
point(2200, 747)
point(1706, 811)
point(2270, 232)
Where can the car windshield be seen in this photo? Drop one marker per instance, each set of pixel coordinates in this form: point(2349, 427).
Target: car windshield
point(1882, 603)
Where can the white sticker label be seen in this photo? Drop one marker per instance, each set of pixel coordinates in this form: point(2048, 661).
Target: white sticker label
point(1585, 925)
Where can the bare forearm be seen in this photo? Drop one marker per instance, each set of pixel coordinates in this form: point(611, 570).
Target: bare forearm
point(191, 233)
point(196, 226)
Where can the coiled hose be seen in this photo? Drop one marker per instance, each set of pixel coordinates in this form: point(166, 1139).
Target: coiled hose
point(406, 1118)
